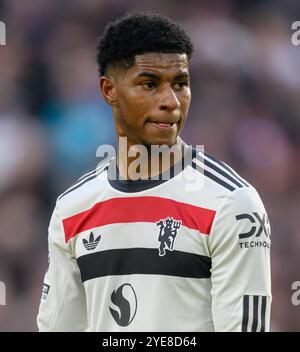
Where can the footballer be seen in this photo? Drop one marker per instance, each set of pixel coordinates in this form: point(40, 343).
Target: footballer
point(149, 253)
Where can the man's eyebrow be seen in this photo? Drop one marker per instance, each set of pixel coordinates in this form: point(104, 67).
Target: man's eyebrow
point(153, 75)
point(182, 75)
point(147, 74)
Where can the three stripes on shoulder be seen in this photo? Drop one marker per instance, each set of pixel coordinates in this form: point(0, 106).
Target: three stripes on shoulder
point(86, 177)
point(218, 171)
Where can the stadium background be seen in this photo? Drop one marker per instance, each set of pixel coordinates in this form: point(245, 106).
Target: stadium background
point(245, 110)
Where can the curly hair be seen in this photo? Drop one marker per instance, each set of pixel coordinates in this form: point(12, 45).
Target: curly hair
point(140, 33)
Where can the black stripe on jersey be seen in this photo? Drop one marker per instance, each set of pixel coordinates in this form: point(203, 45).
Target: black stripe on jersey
point(88, 173)
point(212, 177)
point(143, 261)
point(92, 171)
point(227, 168)
point(255, 314)
point(245, 314)
point(217, 169)
point(263, 313)
point(78, 184)
point(82, 182)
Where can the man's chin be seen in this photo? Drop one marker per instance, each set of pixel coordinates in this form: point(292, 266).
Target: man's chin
point(160, 141)
point(160, 136)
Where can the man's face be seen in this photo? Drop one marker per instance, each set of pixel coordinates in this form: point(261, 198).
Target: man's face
point(152, 99)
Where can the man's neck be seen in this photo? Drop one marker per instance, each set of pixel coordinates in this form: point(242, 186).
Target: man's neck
point(146, 162)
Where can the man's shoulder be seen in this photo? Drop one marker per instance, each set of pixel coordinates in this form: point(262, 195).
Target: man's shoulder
point(232, 192)
point(84, 186)
point(218, 175)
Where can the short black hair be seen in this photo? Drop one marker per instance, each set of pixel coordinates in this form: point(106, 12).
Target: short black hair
point(139, 33)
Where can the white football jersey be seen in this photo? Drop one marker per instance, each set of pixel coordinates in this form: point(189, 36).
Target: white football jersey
point(191, 253)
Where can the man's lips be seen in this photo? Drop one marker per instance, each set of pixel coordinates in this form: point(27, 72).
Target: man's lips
point(163, 125)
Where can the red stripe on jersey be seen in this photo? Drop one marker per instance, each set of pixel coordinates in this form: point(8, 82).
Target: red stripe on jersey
point(139, 209)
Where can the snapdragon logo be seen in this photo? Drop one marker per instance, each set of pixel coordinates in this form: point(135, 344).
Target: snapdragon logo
point(296, 35)
point(2, 294)
point(2, 33)
point(296, 294)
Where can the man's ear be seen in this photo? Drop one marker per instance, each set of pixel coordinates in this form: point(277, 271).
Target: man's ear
point(108, 89)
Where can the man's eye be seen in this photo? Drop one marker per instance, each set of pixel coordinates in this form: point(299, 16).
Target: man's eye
point(149, 85)
point(180, 85)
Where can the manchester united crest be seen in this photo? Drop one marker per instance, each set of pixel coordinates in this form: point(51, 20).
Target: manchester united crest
point(167, 234)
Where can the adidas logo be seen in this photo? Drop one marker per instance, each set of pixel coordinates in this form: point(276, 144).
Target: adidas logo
point(92, 243)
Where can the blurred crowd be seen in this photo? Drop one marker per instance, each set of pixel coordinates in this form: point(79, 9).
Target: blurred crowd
point(245, 110)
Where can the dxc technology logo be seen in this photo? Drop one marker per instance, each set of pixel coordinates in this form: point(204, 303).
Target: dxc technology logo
point(260, 228)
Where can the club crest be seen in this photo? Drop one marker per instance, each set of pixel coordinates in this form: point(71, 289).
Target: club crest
point(167, 234)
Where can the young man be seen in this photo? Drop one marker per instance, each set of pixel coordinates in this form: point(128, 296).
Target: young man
point(148, 253)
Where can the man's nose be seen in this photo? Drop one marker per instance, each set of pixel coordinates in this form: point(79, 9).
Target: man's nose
point(169, 101)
